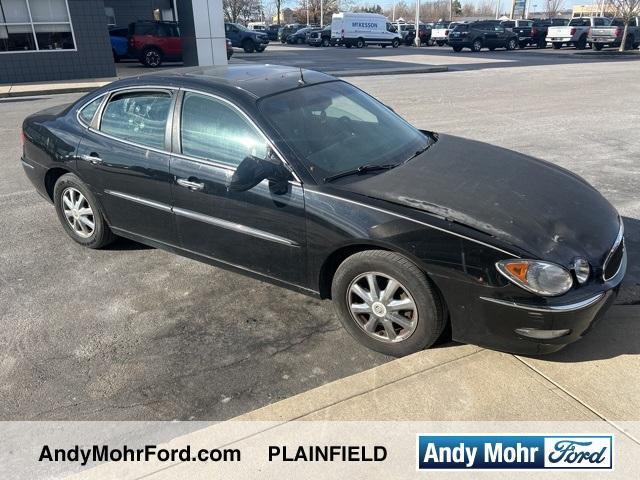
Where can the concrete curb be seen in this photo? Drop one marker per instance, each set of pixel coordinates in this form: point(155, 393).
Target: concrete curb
point(23, 90)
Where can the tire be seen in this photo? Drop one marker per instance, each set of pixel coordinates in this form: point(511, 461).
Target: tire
point(557, 45)
point(523, 45)
point(581, 44)
point(248, 45)
point(299, 41)
point(360, 43)
point(440, 43)
point(101, 234)
point(512, 44)
point(348, 44)
point(425, 320)
point(631, 41)
point(260, 49)
point(597, 46)
point(283, 41)
point(492, 49)
point(476, 46)
point(151, 57)
point(541, 44)
point(326, 42)
point(457, 49)
point(395, 43)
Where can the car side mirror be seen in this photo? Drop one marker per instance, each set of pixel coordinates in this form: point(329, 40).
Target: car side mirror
point(253, 170)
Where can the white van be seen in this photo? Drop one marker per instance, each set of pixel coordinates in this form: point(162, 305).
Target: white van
point(361, 29)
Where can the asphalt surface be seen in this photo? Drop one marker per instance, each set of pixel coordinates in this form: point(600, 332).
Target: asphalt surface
point(376, 59)
point(137, 333)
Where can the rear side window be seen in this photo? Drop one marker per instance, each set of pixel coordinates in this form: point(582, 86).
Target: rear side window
point(144, 29)
point(89, 111)
point(509, 24)
point(138, 117)
point(461, 28)
point(213, 130)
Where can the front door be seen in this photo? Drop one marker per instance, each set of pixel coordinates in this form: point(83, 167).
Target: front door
point(124, 159)
point(259, 229)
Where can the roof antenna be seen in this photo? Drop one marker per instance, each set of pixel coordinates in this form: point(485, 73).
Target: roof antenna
point(301, 80)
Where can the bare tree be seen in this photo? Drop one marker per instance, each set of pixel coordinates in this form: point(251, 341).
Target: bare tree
point(627, 10)
point(554, 7)
point(241, 10)
point(329, 7)
point(486, 8)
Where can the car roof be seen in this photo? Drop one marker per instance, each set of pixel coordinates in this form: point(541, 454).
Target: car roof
point(254, 80)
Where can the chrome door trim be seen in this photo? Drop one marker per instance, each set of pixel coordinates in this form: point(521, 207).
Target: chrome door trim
point(480, 242)
point(551, 308)
point(142, 201)
point(236, 227)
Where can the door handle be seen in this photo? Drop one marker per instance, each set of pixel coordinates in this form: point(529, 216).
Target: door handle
point(92, 158)
point(183, 182)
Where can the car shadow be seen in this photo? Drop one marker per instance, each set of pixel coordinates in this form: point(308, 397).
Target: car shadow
point(124, 244)
point(618, 331)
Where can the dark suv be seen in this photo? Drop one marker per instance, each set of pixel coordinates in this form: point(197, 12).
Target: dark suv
point(242, 37)
point(483, 34)
point(154, 42)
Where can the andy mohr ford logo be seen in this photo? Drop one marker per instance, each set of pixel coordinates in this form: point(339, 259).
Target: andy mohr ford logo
point(514, 452)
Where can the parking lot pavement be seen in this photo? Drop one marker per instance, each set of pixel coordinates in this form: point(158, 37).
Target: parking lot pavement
point(137, 333)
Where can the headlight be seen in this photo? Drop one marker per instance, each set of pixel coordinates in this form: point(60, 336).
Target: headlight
point(542, 278)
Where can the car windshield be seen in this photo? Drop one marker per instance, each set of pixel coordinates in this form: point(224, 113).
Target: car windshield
point(335, 127)
point(441, 25)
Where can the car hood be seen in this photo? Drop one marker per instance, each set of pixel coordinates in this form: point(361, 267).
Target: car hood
point(541, 208)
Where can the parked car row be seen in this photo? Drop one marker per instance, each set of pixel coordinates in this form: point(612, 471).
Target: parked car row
point(153, 42)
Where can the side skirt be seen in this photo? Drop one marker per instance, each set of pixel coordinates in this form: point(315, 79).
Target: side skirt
point(214, 262)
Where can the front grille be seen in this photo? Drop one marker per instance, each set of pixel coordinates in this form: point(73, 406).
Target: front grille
point(612, 264)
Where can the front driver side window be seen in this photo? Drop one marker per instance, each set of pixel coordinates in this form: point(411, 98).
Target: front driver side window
point(216, 131)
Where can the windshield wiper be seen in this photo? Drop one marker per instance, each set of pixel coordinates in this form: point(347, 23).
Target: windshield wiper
point(419, 152)
point(360, 170)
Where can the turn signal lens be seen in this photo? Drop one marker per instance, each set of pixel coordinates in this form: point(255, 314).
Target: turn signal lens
point(581, 269)
point(536, 276)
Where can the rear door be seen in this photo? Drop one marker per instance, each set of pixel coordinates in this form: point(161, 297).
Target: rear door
point(125, 160)
point(258, 229)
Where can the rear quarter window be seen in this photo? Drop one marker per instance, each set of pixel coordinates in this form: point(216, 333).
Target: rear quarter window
point(89, 111)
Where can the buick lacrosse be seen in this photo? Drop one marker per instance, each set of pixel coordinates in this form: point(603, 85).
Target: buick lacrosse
point(300, 179)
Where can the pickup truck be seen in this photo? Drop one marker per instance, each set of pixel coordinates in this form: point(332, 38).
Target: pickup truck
point(522, 28)
point(440, 32)
point(576, 33)
point(611, 36)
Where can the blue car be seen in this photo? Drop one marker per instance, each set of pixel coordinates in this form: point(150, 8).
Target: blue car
point(119, 43)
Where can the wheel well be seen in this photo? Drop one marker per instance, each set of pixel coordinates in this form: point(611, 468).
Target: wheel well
point(51, 178)
point(331, 264)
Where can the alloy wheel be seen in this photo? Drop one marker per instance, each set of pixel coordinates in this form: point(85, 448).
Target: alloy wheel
point(78, 212)
point(152, 58)
point(382, 307)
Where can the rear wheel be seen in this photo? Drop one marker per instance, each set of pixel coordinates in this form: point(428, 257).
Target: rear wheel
point(630, 42)
point(476, 46)
point(581, 44)
point(512, 44)
point(440, 43)
point(360, 43)
point(348, 45)
point(557, 45)
point(597, 46)
point(151, 58)
point(248, 45)
point(541, 44)
point(387, 303)
point(260, 49)
point(80, 214)
point(299, 41)
point(523, 45)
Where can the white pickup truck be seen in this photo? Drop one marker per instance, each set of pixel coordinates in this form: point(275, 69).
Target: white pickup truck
point(576, 33)
point(611, 36)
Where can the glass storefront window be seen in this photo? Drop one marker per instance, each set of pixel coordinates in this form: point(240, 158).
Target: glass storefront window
point(28, 25)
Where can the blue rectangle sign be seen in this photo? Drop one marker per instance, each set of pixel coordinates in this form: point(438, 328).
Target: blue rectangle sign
point(514, 452)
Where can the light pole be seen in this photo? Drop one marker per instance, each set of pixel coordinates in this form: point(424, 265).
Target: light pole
point(307, 4)
point(451, 10)
point(321, 14)
point(417, 39)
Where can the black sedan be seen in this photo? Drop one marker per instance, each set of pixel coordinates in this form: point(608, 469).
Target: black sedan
point(305, 181)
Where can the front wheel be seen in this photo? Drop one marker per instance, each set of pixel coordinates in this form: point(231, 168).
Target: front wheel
point(512, 44)
point(457, 48)
point(80, 214)
point(360, 43)
point(582, 43)
point(395, 43)
point(387, 303)
point(477, 45)
point(260, 49)
point(326, 42)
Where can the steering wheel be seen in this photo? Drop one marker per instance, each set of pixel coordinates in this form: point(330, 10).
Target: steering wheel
point(346, 125)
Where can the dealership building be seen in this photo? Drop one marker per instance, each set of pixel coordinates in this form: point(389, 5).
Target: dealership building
point(48, 40)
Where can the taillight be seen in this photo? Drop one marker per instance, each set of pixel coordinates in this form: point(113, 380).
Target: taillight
point(573, 31)
point(618, 32)
point(534, 31)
